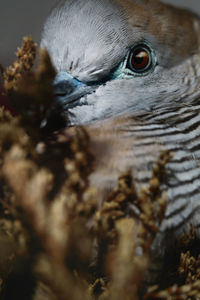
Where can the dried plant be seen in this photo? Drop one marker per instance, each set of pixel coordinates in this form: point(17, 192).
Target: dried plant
point(30, 92)
point(26, 57)
point(56, 242)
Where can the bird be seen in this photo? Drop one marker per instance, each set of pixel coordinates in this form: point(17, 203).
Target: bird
point(129, 71)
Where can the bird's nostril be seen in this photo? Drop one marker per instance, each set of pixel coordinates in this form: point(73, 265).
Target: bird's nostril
point(63, 88)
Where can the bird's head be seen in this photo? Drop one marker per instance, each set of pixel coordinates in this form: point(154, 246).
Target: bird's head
point(119, 56)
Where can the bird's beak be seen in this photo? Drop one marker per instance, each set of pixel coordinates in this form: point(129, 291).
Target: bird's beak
point(69, 91)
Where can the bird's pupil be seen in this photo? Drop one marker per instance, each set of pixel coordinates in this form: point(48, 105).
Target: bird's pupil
point(140, 59)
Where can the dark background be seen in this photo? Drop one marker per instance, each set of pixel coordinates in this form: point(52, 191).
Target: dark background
point(24, 17)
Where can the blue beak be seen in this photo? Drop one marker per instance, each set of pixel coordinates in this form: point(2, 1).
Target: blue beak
point(69, 91)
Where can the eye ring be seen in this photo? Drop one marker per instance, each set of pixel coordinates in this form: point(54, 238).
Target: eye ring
point(140, 59)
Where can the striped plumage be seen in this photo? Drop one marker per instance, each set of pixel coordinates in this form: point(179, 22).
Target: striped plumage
point(136, 142)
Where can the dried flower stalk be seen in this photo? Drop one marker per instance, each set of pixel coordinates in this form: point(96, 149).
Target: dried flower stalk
point(55, 240)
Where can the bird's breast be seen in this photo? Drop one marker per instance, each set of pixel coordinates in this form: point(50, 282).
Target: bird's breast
point(125, 144)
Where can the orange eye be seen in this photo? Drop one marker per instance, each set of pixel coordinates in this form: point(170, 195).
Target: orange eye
point(140, 59)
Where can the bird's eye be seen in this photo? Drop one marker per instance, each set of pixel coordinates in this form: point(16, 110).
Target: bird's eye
point(140, 59)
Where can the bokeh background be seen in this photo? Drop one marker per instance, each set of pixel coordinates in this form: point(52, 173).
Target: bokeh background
point(24, 17)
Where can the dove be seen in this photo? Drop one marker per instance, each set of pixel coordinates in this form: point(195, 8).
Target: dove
point(129, 72)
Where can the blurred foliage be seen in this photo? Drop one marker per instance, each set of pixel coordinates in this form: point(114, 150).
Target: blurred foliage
point(56, 242)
